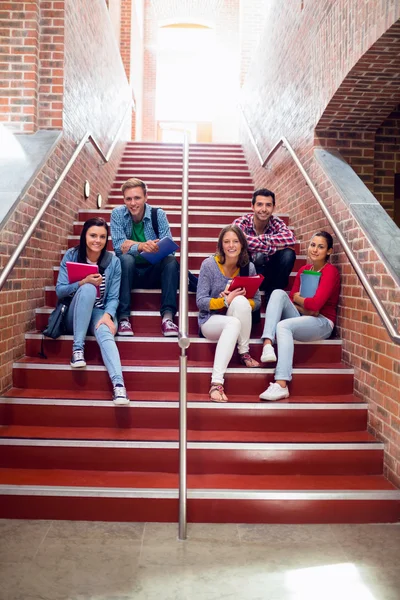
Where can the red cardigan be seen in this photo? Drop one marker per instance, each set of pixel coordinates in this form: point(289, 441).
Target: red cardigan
point(326, 297)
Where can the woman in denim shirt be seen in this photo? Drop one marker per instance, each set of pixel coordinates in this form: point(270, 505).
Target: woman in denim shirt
point(90, 312)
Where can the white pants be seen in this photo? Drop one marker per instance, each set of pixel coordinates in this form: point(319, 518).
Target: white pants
point(229, 329)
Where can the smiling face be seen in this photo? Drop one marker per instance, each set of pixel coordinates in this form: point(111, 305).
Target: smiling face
point(96, 238)
point(318, 250)
point(231, 245)
point(135, 201)
point(263, 208)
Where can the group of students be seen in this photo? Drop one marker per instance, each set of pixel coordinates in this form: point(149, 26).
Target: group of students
point(260, 242)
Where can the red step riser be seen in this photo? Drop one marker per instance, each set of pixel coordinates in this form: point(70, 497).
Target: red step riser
point(313, 384)
point(89, 509)
point(203, 219)
point(144, 171)
point(150, 325)
point(199, 419)
point(199, 461)
point(198, 231)
point(199, 511)
point(204, 353)
point(193, 261)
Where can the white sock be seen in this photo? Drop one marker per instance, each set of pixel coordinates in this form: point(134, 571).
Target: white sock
point(167, 315)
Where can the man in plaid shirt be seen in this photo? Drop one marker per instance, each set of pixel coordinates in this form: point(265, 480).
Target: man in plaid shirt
point(270, 241)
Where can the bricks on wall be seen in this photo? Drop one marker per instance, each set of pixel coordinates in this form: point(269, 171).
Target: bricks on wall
point(309, 65)
point(95, 97)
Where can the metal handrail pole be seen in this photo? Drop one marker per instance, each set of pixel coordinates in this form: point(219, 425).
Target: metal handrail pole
point(349, 252)
point(25, 238)
point(380, 308)
point(184, 342)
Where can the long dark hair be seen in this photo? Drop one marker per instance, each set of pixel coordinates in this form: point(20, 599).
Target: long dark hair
point(243, 257)
point(94, 222)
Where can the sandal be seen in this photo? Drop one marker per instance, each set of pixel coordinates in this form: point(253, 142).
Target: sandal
point(248, 361)
point(217, 388)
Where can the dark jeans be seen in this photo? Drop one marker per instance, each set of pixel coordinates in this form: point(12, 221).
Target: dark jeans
point(164, 274)
point(276, 271)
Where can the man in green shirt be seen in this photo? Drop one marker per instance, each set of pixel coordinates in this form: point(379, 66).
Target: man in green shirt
point(132, 232)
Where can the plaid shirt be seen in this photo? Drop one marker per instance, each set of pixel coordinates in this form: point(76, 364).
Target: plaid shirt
point(276, 237)
point(121, 227)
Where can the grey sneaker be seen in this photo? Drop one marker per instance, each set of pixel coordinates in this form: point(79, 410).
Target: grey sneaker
point(77, 359)
point(120, 398)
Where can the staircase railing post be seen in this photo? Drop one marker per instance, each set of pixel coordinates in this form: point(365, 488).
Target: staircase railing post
point(184, 343)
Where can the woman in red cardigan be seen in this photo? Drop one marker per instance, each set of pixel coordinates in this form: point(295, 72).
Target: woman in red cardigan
point(295, 317)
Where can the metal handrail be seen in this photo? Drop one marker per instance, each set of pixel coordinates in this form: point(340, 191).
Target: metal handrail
point(392, 331)
point(88, 137)
point(184, 343)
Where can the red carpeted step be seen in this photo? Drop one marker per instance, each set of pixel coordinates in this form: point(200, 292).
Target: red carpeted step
point(160, 348)
point(300, 414)
point(42, 374)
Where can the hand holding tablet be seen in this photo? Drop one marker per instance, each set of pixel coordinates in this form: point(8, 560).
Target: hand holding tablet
point(250, 284)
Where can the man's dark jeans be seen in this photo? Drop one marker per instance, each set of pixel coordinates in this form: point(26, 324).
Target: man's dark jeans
point(276, 271)
point(164, 274)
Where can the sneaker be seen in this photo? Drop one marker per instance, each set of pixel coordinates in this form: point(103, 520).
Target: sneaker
point(78, 359)
point(275, 392)
point(120, 398)
point(268, 354)
point(125, 328)
point(169, 329)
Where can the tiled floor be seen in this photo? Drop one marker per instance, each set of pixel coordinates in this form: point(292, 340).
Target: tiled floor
point(61, 560)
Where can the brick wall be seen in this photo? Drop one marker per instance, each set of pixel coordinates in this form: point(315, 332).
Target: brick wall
point(288, 94)
point(19, 64)
point(387, 162)
point(96, 93)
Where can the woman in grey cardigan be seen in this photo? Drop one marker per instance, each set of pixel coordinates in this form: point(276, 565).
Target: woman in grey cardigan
point(225, 316)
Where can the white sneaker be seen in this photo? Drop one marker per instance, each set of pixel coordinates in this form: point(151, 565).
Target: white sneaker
point(268, 354)
point(120, 398)
point(275, 392)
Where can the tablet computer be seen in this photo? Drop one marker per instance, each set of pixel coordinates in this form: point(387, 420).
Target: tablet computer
point(250, 284)
point(166, 246)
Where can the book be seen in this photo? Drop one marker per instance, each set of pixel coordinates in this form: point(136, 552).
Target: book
point(77, 271)
point(309, 281)
point(166, 246)
point(250, 284)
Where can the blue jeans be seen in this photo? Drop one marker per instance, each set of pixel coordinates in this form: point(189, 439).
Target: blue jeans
point(82, 319)
point(276, 271)
point(164, 274)
point(284, 322)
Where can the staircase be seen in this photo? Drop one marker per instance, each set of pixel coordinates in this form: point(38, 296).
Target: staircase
point(69, 453)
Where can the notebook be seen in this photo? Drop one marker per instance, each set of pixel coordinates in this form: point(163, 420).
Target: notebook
point(251, 284)
point(77, 271)
point(166, 246)
point(309, 281)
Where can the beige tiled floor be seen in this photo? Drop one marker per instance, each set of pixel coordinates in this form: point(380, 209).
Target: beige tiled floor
point(62, 560)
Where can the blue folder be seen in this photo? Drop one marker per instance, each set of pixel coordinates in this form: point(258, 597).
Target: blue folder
point(309, 281)
point(166, 246)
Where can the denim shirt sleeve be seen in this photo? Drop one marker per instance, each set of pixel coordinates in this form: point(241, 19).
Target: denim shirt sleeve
point(63, 287)
point(118, 234)
point(113, 280)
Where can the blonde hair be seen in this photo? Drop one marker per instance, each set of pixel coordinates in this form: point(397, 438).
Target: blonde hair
point(132, 183)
